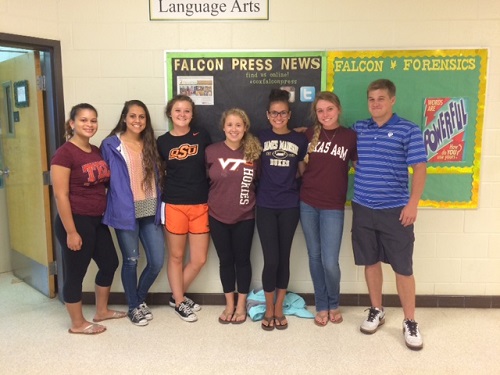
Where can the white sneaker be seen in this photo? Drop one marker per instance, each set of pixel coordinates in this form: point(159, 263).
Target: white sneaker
point(413, 338)
point(376, 318)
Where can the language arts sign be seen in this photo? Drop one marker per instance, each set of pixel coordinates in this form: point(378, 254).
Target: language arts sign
point(203, 10)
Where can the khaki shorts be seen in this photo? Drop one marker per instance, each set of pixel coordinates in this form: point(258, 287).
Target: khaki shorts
point(186, 218)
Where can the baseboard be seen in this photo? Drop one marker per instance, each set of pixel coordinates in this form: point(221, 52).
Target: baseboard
point(390, 300)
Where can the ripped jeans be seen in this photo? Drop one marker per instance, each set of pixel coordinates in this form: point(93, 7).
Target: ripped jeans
point(152, 240)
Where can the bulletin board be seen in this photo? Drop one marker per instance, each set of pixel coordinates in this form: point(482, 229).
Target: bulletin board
point(217, 81)
point(442, 91)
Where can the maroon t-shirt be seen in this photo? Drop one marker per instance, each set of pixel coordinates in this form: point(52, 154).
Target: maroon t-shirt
point(89, 173)
point(325, 180)
point(231, 196)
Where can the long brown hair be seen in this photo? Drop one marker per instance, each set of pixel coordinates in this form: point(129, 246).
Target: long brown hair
point(151, 162)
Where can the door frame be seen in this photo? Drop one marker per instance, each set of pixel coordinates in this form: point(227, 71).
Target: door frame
point(54, 116)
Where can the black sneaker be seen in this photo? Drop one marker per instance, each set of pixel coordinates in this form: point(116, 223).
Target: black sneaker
point(146, 311)
point(185, 312)
point(193, 305)
point(137, 317)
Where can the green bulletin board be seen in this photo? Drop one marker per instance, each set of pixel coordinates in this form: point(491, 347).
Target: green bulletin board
point(442, 91)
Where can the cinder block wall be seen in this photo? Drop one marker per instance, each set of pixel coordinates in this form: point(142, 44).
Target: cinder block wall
point(112, 53)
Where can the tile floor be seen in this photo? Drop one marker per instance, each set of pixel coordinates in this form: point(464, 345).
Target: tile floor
point(34, 340)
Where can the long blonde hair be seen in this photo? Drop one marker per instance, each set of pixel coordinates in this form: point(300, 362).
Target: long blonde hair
point(250, 143)
point(323, 95)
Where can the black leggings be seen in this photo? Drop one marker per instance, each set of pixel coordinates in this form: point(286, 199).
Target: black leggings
point(97, 244)
point(276, 229)
point(233, 243)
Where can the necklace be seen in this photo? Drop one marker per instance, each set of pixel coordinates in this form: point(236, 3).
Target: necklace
point(330, 138)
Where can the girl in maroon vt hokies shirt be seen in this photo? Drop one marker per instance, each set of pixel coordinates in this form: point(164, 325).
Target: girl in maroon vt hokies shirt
point(232, 168)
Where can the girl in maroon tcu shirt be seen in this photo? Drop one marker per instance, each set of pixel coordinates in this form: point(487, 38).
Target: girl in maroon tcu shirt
point(79, 175)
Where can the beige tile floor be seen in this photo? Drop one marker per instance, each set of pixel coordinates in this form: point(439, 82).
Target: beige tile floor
point(34, 340)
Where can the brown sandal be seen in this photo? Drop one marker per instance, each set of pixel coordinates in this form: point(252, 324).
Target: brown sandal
point(321, 319)
point(270, 323)
point(283, 322)
point(237, 315)
point(227, 317)
point(335, 316)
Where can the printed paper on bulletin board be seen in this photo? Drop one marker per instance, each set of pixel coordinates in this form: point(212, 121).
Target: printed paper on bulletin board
point(217, 81)
point(443, 91)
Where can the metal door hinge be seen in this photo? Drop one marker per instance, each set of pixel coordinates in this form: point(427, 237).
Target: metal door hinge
point(46, 177)
point(53, 268)
point(40, 83)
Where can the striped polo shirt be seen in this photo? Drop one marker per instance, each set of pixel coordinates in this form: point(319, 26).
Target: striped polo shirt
point(384, 154)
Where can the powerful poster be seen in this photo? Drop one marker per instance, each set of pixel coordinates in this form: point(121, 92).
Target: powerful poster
point(217, 81)
point(443, 91)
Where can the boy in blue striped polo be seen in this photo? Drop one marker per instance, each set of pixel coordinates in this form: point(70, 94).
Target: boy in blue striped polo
point(384, 208)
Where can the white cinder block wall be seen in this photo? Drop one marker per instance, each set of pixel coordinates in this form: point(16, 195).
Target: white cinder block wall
point(111, 53)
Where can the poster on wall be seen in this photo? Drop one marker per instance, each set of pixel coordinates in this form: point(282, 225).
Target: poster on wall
point(217, 81)
point(442, 91)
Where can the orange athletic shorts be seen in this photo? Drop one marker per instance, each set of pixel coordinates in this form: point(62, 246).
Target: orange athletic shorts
point(186, 218)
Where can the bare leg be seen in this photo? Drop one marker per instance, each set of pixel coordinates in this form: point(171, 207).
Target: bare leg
point(374, 279)
point(78, 321)
point(406, 291)
point(228, 312)
point(101, 305)
point(241, 308)
point(278, 307)
point(176, 245)
point(269, 308)
point(198, 250)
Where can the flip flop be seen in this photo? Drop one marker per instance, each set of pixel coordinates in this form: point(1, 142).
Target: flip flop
point(335, 316)
point(268, 326)
point(116, 315)
point(283, 322)
point(238, 315)
point(320, 321)
point(91, 329)
point(227, 317)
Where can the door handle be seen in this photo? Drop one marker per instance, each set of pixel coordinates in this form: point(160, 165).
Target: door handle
point(5, 172)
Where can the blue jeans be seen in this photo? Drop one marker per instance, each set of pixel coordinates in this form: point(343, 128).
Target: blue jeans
point(152, 240)
point(323, 234)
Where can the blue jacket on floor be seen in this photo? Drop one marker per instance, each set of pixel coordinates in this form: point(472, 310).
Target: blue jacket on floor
point(293, 305)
